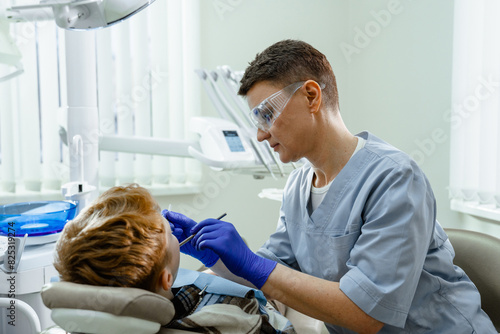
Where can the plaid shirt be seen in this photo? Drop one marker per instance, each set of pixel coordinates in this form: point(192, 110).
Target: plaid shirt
point(190, 303)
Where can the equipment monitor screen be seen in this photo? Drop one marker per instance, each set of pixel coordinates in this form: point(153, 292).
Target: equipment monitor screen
point(233, 141)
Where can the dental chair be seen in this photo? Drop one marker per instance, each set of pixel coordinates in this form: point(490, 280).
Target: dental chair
point(87, 309)
point(478, 255)
point(79, 308)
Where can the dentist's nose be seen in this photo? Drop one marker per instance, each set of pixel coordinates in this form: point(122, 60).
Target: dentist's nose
point(262, 135)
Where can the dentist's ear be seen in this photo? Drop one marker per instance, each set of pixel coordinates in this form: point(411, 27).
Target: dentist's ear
point(166, 279)
point(314, 95)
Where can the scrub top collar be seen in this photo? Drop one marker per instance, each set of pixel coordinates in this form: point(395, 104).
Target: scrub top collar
point(350, 170)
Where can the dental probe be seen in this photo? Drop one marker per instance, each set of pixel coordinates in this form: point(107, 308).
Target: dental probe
point(192, 235)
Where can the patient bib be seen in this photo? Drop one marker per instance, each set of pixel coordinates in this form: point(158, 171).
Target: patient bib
point(215, 284)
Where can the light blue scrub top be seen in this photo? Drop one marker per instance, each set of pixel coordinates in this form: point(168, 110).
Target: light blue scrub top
point(376, 233)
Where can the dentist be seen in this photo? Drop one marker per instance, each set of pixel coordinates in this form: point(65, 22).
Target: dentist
point(357, 245)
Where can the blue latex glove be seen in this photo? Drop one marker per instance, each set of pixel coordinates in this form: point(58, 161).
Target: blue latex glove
point(223, 239)
point(181, 228)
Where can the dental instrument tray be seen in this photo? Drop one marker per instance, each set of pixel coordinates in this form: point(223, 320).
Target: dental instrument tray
point(36, 219)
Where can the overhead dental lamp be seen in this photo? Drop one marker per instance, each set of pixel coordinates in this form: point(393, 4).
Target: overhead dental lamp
point(80, 14)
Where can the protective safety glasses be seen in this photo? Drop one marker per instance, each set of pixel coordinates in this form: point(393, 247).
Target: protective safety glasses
point(264, 115)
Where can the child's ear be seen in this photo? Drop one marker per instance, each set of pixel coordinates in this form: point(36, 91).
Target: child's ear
point(166, 279)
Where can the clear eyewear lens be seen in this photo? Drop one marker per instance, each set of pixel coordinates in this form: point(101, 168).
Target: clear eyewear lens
point(262, 116)
point(268, 110)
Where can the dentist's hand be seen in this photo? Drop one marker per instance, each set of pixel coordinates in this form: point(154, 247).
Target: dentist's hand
point(223, 239)
point(181, 228)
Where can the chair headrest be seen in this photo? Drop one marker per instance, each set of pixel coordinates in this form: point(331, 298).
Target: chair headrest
point(118, 301)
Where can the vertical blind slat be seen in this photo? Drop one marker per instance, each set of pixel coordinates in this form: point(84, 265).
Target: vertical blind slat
point(459, 63)
point(63, 166)
point(192, 87)
point(123, 103)
point(159, 87)
point(29, 121)
point(490, 104)
point(49, 105)
point(105, 84)
point(141, 92)
point(7, 175)
point(175, 87)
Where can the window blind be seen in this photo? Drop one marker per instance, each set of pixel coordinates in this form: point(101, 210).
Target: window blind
point(146, 87)
point(474, 117)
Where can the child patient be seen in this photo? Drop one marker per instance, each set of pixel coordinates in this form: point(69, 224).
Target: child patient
point(123, 240)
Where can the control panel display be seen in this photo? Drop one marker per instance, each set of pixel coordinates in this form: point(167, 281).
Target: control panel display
point(233, 141)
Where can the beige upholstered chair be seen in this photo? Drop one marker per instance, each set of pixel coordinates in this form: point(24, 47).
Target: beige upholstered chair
point(478, 255)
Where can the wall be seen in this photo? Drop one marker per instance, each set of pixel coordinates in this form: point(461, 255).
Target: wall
point(400, 82)
point(392, 59)
point(400, 87)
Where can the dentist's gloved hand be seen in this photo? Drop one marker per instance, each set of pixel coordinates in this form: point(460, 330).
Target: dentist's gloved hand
point(181, 228)
point(223, 239)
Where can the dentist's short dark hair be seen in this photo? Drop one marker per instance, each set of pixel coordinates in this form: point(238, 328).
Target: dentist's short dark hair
point(289, 61)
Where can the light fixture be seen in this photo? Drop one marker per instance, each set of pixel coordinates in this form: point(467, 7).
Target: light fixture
point(81, 14)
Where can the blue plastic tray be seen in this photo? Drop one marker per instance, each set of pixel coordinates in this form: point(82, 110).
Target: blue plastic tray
point(35, 218)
